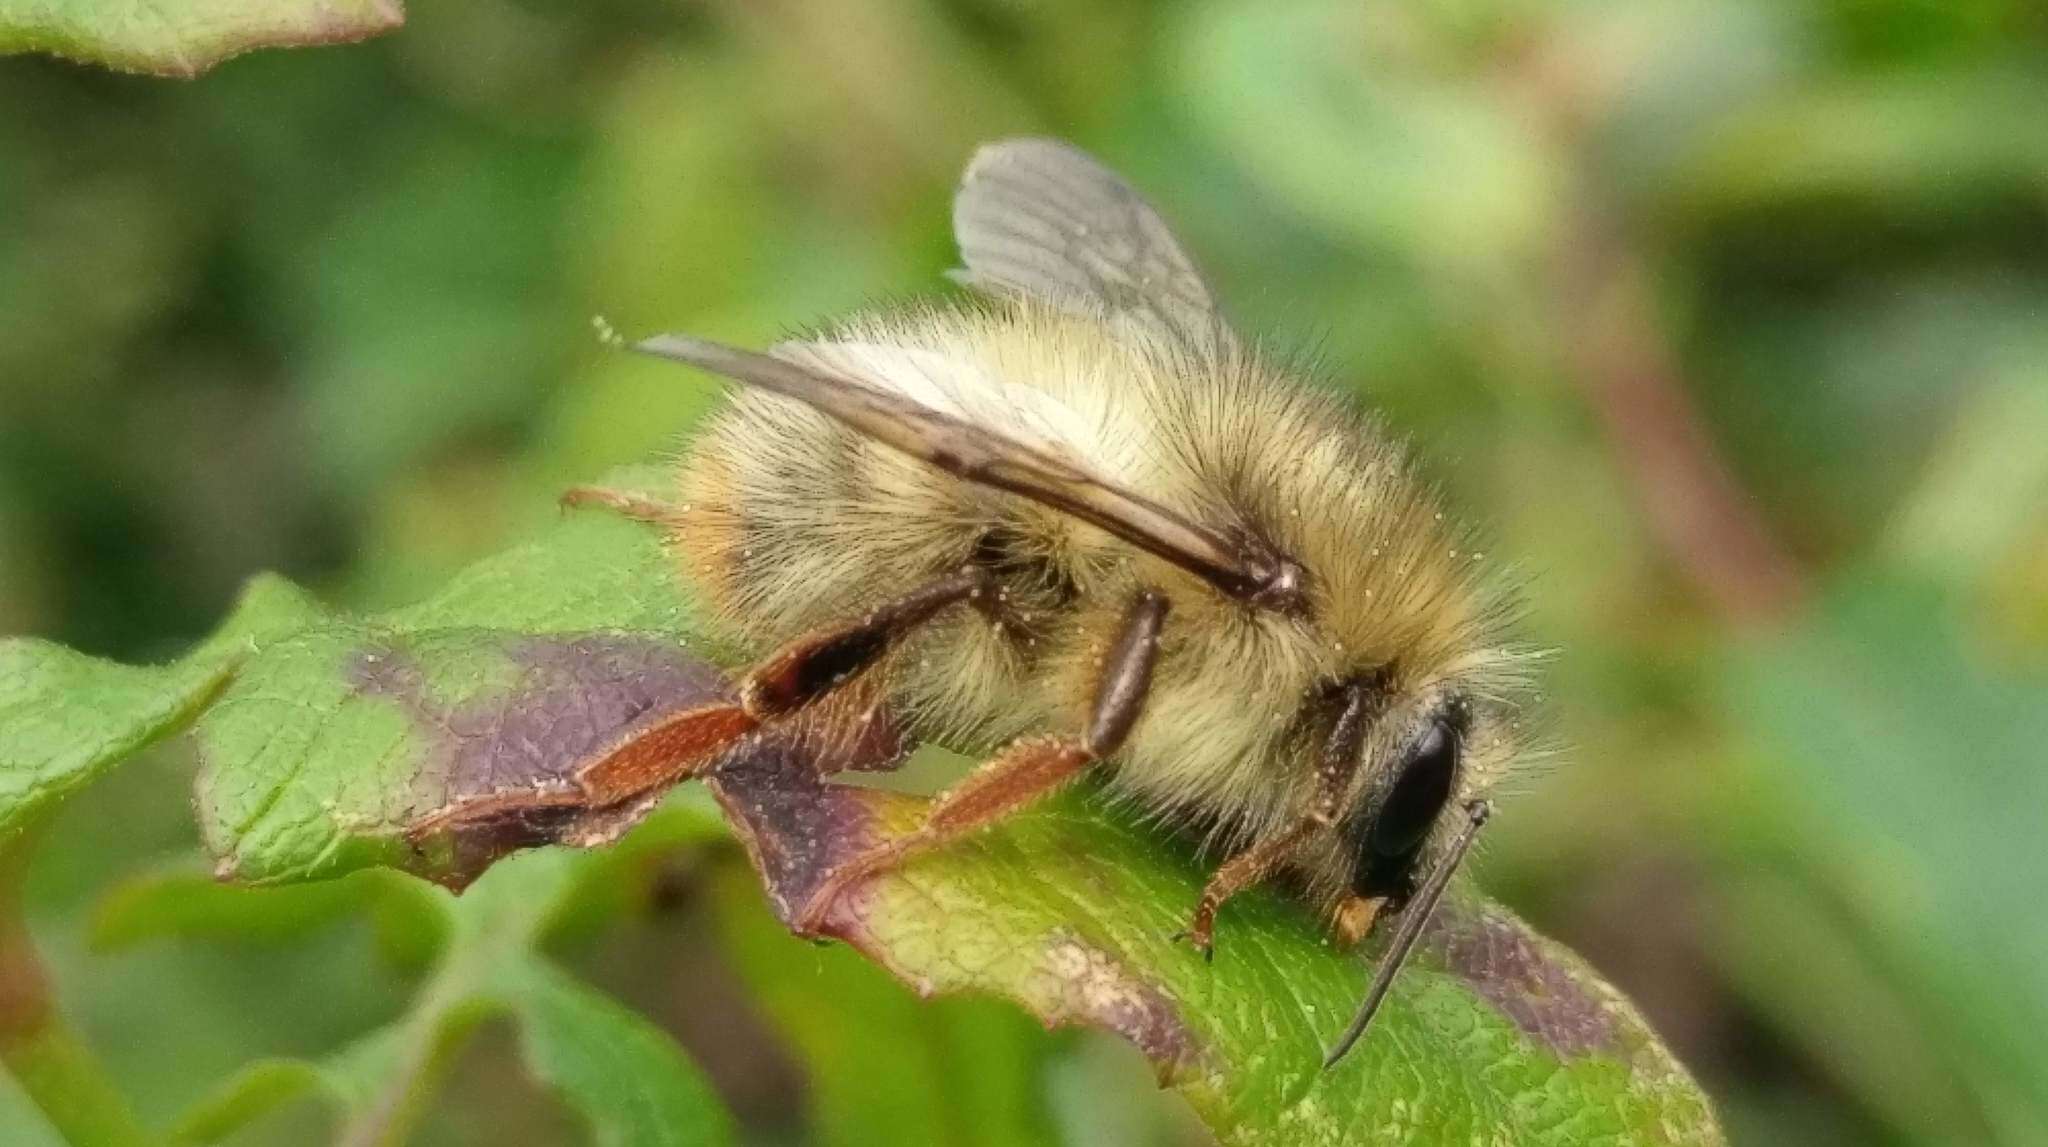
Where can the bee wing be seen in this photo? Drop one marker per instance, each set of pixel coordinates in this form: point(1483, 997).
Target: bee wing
point(841, 381)
point(1041, 218)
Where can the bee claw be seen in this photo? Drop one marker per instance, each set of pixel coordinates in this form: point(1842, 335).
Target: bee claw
point(810, 921)
point(1203, 944)
point(846, 875)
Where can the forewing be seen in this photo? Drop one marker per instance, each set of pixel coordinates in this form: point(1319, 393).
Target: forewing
point(984, 454)
point(953, 386)
point(1041, 218)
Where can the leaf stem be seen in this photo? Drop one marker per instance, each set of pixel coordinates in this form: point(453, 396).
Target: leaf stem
point(54, 1067)
point(1622, 359)
point(507, 915)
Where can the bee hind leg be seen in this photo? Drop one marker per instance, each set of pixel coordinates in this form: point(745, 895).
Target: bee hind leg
point(1023, 773)
point(685, 743)
point(625, 503)
point(655, 757)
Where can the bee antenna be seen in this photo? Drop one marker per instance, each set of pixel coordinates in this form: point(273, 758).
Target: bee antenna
point(1413, 918)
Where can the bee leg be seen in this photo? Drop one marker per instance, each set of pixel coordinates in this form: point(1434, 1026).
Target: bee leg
point(809, 668)
point(1026, 771)
point(1336, 766)
point(1021, 774)
point(1355, 917)
point(659, 755)
point(625, 503)
point(1246, 869)
point(685, 743)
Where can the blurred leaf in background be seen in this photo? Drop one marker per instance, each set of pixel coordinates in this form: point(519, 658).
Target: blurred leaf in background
point(186, 39)
point(328, 313)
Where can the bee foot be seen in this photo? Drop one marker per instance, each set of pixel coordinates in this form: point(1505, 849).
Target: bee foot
point(818, 909)
point(1200, 937)
point(811, 921)
point(1355, 918)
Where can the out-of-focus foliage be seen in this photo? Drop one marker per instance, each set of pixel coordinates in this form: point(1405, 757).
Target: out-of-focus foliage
point(184, 39)
point(618, 1072)
point(327, 313)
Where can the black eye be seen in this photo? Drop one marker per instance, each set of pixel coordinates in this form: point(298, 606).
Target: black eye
point(1419, 793)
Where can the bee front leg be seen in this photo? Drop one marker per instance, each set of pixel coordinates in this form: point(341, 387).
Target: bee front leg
point(1245, 870)
point(1335, 769)
point(1355, 917)
point(1028, 770)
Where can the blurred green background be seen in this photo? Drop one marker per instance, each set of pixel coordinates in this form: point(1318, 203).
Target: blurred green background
point(1728, 321)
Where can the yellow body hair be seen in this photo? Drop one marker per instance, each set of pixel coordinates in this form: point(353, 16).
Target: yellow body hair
point(791, 521)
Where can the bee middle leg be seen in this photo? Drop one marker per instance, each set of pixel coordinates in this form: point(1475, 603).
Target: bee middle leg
point(1028, 770)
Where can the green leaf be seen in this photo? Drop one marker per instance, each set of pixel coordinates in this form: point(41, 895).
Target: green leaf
point(21, 1121)
point(624, 1075)
point(65, 718)
point(250, 1093)
point(836, 1009)
point(184, 39)
point(1913, 139)
point(181, 901)
point(621, 1072)
point(332, 743)
point(1908, 765)
point(375, 1083)
point(1404, 158)
point(62, 1077)
point(1493, 1034)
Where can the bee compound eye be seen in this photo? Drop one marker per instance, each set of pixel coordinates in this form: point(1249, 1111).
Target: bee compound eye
point(1423, 787)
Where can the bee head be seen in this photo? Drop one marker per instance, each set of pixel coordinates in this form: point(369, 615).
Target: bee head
point(1404, 799)
point(1388, 836)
